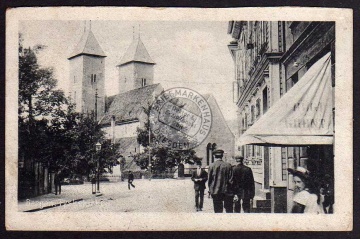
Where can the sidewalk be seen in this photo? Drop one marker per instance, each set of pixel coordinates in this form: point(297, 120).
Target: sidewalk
point(157, 195)
point(69, 194)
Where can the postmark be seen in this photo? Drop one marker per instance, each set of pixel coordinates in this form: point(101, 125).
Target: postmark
point(180, 119)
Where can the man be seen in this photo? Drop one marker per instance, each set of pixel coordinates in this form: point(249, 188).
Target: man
point(244, 187)
point(199, 177)
point(220, 183)
point(57, 182)
point(130, 180)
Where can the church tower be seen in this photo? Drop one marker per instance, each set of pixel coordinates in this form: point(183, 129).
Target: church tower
point(87, 75)
point(136, 68)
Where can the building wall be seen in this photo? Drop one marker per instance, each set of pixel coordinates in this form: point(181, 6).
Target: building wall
point(131, 75)
point(257, 51)
point(126, 77)
point(143, 71)
point(121, 131)
point(220, 134)
point(75, 81)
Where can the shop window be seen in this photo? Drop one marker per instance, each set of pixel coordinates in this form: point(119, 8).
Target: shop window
point(143, 82)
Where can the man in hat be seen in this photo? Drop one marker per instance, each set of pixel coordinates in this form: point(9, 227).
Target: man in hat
point(130, 180)
point(220, 183)
point(244, 187)
point(199, 177)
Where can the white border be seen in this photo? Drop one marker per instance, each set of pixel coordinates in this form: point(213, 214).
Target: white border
point(341, 220)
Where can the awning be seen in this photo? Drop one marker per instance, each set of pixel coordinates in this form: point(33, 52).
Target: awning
point(303, 116)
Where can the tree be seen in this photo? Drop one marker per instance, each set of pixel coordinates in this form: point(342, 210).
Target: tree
point(50, 131)
point(75, 137)
point(162, 158)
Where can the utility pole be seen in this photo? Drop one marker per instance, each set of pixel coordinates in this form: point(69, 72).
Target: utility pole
point(149, 145)
point(96, 97)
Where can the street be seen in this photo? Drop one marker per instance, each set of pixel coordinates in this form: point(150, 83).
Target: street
point(157, 195)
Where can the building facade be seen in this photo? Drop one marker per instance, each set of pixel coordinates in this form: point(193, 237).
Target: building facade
point(270, 58)
point(87, 75)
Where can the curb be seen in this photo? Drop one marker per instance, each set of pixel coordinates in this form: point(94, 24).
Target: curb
point(54, 205)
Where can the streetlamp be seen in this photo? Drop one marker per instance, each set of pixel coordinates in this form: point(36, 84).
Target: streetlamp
point(98, 148)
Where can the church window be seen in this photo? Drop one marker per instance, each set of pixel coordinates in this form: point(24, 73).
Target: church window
point(94, 78)
point(143, 82)
point(74, 79)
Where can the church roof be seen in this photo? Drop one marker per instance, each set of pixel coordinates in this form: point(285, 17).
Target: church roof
point(136, 53)
point(88, 45)
point(129, 105)
point(125, 143)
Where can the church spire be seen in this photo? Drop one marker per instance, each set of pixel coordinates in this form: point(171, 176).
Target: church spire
point(88, 45)
point(136, 53)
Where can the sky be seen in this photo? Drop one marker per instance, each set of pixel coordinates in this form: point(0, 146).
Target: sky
point(187, 54)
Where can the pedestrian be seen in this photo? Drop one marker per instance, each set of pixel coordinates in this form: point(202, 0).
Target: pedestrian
point(243, 186)
point(327, 194)
point(199, 177)
point(57, 182)
point(130, 180)
point(306, 198)
point(220, 183)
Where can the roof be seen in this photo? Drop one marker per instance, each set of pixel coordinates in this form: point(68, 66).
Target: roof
point(87, 45)
point(136, 53)
point(125, 143)
point(129, 105)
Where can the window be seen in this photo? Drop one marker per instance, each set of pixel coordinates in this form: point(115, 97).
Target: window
point(291, 81)
point(252, 114)
point(265, 100)
point(143, 82)
point(74, 79)
point(257, 115)
point(93, 78)
point(283, 163)
point(246, 121)
point(74, 95)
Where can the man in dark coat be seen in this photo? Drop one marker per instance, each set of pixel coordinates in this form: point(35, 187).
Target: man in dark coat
point(220, 183)
point(244, 187)
point(57, 182)
point(199, 177)
point(130, 180)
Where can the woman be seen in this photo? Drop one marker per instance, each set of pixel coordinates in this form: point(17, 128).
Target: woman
point(306, 198)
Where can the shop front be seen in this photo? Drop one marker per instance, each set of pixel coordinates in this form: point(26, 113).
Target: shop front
point(297, 131)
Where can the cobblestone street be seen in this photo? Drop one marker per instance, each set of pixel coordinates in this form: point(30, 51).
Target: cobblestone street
point(157, 195)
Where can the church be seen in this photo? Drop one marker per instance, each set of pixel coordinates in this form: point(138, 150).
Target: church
point(120, 115)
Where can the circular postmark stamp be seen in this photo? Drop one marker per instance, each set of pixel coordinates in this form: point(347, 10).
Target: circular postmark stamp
point(180, 119)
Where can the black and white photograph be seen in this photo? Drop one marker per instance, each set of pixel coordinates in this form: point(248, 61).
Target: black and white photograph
point(199, 119)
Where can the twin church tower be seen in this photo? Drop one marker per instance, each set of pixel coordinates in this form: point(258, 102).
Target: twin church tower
point(87, 72)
